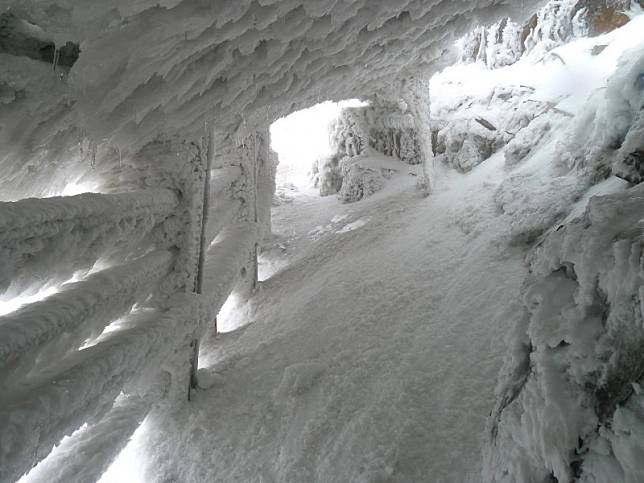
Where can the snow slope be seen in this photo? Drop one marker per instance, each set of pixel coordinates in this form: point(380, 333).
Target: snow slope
point(370, 357)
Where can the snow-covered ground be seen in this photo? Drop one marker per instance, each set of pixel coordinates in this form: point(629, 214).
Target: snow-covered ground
point(371, 356)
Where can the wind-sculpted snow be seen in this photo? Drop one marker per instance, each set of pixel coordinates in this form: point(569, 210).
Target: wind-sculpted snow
point(85, 384)
point(48, 239)
point(47, 330)
point(86, 455)
point(150, 68)
point(571, 386)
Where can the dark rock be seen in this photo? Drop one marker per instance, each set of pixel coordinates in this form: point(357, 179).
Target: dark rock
point(631, 167)
point(21, 38)
point(598, 49)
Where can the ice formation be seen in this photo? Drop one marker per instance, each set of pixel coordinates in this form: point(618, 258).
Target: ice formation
point(358, 132)
point(164, 108)
point(186, 65)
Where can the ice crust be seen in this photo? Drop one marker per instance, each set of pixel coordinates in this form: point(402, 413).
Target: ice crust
point(171, 68)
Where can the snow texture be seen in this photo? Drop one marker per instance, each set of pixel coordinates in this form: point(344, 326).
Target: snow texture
point(185, 67)
point(577, 358)
point(49, 239)
point(47, 330)
point(569, 400)
point(361, 359)
point(87, 453)
point(84, 385)
point(381, 366)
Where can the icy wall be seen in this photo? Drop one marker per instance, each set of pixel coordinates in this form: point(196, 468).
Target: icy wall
point(570, 399)
point(150, 69)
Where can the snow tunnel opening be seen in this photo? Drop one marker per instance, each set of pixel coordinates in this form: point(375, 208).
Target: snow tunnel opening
point(302, 137)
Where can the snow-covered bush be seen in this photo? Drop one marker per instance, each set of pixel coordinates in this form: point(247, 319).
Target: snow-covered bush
point(349, 133)
point(327, 175)
point(366, 174)
point(360, 179)
point(385, 127)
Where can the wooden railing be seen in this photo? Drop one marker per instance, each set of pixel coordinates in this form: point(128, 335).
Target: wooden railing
point(61, 373)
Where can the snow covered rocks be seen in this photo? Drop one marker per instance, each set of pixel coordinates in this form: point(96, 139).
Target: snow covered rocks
point(572, 378)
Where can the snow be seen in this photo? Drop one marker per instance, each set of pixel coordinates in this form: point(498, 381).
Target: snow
point(370, 349)
point(303, 136)
point(78, 312)
point(354, 226)
point(359, 372)
point(49, 239)
point(84, 385)
point(150, 70)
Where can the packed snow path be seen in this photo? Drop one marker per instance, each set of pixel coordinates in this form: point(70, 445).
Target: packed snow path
point(372, 357)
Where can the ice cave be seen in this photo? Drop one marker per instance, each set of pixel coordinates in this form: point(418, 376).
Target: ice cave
point(322, 241)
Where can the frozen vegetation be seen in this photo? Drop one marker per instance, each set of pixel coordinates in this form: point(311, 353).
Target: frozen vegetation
point(464, 302)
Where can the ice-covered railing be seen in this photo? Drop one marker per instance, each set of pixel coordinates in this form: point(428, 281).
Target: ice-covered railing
point(82, 368)
point(51, 238)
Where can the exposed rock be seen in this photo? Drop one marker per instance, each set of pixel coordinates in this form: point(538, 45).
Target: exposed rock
point(21, 38)
point(598, 49)
point(529, 28)
point(629, 160)
point(632, 167)
point(606, 19)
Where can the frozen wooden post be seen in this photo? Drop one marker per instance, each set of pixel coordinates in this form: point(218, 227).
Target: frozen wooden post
point(254, 261)
point(206, 152)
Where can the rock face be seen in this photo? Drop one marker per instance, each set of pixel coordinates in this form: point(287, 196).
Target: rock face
point(570, 404)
